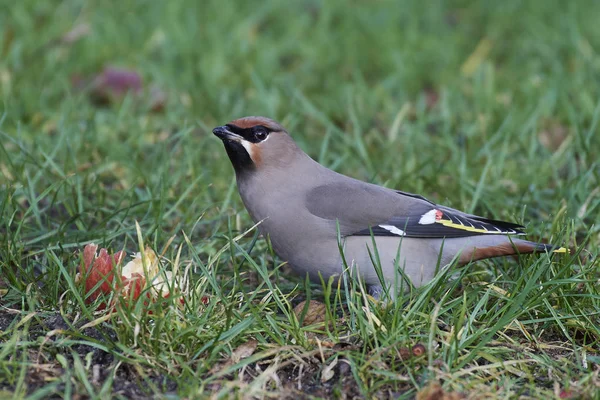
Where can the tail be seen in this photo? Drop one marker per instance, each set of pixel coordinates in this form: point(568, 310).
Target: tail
point(549, 248)
point(499, 247)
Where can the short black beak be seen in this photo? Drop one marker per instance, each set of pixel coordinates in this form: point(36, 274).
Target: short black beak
point(222, 132)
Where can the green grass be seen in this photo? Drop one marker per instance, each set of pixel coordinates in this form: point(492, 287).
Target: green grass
point(514, 134)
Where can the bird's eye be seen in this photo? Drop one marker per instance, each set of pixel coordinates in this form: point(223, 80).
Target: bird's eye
point(260, 133)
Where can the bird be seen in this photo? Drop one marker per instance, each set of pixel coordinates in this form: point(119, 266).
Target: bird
point(324, 223)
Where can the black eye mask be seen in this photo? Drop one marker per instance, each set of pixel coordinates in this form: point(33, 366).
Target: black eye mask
point(255, 134)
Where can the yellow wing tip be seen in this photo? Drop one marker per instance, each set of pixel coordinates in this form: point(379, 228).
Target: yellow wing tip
point(562, 250)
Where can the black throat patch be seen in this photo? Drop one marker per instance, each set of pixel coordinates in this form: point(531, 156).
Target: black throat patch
point(240, 159)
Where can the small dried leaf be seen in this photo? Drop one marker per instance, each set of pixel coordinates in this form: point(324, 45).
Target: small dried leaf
point(244, 350)
point(314, 314)
point(404, 353)
point(434, 391)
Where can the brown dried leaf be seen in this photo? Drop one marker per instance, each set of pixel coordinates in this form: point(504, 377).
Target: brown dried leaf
point(314, 314)
point(434, 391)
point(404, 353)
point(244, 350)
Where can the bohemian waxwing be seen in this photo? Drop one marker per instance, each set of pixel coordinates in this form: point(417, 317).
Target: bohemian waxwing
point(302, 205)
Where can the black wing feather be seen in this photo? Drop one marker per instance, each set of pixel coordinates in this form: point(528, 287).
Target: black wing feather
point(449, 224)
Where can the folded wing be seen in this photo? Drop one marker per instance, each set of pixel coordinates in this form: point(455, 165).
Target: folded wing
point(364, 209)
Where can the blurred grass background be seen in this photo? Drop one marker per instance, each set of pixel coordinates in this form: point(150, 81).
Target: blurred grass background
point(487, 106)
point(455, 86)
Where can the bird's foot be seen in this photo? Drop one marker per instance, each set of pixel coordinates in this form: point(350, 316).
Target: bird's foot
point(376, 292)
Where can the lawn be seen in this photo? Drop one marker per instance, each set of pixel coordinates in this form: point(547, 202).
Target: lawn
point(106, 114)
